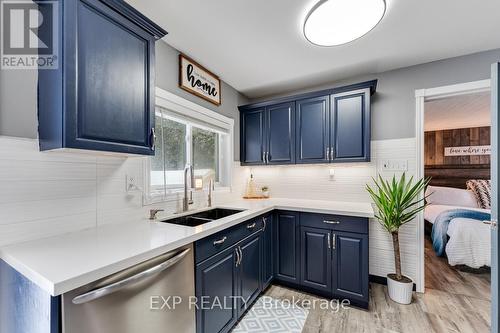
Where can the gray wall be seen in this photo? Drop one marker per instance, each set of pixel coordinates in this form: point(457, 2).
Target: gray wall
point(393, 107)
point(167, 69)
point(18, 111)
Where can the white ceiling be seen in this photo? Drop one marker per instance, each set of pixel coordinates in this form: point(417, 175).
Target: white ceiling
point(257, 46)
point(471, 110)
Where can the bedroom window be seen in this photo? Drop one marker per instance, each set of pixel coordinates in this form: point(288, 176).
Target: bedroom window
point(186, 136)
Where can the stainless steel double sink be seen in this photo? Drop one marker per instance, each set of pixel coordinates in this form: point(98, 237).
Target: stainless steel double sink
point(202, 217)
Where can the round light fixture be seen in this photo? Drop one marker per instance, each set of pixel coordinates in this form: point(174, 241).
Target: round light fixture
point(336, 22)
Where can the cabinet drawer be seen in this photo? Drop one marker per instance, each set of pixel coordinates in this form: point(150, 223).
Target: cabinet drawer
point(207, 247)
point(335, 222)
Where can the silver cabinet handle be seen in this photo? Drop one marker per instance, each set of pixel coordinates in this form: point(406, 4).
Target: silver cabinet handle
point(111, 288)
point(493, 223)
point(264, 157)
point(329, 244)
point(251, 226)
point(331, 222)
point(220, 241)
point(237, 257)
point(153, 138)
point(334, 241)
point(327, 153)
point(241, 255)
point(267, 157)
point(331, 153)
point(264, 221)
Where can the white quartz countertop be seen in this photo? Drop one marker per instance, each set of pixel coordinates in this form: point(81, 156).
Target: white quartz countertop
point(65, 262)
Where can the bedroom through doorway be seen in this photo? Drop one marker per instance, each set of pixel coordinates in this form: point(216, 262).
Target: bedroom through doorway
point(456, 151)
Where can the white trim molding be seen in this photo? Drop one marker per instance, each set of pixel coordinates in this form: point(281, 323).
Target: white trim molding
point(421, 96)
point(201, 115)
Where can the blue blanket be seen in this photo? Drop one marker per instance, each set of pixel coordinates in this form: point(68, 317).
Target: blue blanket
point(440, 227)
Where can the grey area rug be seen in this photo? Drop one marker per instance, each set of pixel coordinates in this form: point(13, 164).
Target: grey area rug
point(271, 315)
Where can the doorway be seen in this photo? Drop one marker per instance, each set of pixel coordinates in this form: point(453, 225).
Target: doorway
point(453, 147)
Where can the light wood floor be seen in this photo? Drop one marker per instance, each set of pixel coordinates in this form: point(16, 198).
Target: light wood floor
point(453, 302)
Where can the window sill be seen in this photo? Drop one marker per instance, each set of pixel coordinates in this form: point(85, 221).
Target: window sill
point(176, 195)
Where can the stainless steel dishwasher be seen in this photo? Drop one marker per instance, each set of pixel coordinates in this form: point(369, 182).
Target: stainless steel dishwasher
point(133, 300)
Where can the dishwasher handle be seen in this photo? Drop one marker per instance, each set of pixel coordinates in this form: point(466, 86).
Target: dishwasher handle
point(111, 288)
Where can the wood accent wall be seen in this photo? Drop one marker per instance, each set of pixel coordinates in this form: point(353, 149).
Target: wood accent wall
point(454, 171)
point(436, 141)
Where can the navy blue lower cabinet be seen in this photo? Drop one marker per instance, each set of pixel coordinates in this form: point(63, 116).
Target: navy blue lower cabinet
point(24, 306)
point(316, 259)
point(217, 277)
point(287, 245)
point(268, 253)
point(249, 271)
point(350, 267)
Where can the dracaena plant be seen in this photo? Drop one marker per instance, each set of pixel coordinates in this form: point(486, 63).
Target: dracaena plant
point(397, 202)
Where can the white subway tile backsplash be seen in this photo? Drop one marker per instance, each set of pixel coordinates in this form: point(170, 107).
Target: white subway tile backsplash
point(48, 193)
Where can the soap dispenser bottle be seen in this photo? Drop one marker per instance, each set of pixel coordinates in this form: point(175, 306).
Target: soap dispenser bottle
point(250, 191)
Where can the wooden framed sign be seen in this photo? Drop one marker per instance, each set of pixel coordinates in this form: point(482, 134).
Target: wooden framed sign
point(198, 80)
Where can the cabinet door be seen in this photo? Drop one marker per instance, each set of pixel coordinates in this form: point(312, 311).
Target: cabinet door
point(216, 281)
point(267, 240)
point(312, 130)
point(286, 246)
point(250, 271)
point(316, 261)
point(350, 126)
point(109, 68)
point(252, 137)
point(350, 266)
point(280, 148)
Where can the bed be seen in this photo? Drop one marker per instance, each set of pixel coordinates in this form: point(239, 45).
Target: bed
point(468, 240)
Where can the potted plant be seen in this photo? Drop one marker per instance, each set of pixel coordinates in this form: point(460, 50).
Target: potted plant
point(265, 191)
point(397, 202)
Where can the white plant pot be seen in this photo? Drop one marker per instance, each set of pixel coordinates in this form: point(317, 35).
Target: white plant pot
point(400, 291)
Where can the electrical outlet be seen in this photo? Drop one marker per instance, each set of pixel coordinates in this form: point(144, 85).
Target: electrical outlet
point(131, 183)
point(393, 165)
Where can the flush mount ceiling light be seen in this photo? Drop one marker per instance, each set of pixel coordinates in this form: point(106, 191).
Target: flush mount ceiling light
point(336, 22)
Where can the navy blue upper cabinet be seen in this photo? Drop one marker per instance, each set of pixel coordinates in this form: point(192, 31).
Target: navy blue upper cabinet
point(252, 129)
point(102, 95)
point(268, 135)
point(312, 130)
point(350, 126)
point(280, 148)
point(320, 127)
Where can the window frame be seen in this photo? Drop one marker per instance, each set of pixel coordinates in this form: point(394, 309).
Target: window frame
point(202, 115)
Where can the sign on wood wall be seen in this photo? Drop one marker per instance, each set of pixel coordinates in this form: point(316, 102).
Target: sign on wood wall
point(467, 151)
point(198, 80)
point(463, 146)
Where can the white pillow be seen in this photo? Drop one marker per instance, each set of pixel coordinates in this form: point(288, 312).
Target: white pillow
point(440, 195)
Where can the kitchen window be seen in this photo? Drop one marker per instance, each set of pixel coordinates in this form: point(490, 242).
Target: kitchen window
point(186, 133)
